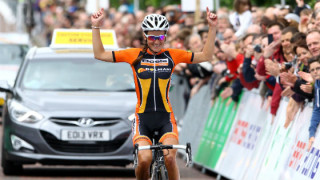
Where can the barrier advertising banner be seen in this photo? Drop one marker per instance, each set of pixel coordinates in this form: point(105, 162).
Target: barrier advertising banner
point(303, 164)
point(203, 151)
point(278, 151)
point(194, 120)
point(220, 133)
point(245, 133)
point(216, 131)
point(255, 161)
point(239, 141)
point(308, 166)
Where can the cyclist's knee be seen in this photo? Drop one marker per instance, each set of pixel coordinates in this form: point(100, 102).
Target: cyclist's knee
point(171, 157)
point(145, 158)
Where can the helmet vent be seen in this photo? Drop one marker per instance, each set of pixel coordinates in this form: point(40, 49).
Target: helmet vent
point(156, 22)
point(163, 24)
point(150, 24)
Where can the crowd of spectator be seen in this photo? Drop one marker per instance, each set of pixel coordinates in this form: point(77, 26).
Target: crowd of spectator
point(274, 50)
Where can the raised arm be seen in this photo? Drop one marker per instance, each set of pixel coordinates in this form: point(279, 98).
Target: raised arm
point(208, 49)
point(99, 53)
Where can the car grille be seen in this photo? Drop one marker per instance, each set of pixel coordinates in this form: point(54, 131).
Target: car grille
point(75, 121)
point(84, 147)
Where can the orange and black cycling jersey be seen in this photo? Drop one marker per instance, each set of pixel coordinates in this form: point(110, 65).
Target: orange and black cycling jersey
point(152, 75)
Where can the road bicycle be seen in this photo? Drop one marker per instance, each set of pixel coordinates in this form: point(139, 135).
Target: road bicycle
point(158, 168)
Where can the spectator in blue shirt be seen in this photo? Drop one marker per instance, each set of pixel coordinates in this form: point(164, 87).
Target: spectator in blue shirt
point(313, 79)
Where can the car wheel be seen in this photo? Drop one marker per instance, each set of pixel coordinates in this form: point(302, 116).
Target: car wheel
point(9, 167)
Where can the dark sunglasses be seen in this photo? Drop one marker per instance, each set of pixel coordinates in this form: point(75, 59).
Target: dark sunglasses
point(154, 38)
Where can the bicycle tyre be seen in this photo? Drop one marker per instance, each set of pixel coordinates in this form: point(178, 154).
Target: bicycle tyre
point(163, 174)
point(154, 173)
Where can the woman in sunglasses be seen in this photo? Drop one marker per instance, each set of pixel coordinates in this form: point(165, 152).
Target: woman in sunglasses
point(152, 69)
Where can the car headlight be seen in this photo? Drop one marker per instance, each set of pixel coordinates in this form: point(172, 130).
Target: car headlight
point(132, 117)
point(23, 114)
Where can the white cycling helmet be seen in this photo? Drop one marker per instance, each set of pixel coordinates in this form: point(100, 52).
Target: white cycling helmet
point(155, 22)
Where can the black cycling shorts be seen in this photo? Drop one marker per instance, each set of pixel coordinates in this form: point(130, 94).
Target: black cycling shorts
point(146, 124)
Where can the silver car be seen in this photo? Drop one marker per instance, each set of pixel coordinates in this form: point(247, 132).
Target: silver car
point(13, 48)
point(66, 108)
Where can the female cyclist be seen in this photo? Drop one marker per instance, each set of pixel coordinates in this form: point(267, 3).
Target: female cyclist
point(152, 68)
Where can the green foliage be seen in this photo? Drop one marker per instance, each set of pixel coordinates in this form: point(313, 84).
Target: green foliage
point(114, 3)
point(312, 2)
point(227, 3)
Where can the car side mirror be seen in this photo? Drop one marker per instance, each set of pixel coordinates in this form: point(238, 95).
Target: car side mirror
point(5, 87)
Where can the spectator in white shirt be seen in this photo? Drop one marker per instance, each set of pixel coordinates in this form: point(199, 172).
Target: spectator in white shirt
point(241, 19)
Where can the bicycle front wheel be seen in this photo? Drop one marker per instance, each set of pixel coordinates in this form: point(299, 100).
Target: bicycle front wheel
point(163, 174)
point(154, 173)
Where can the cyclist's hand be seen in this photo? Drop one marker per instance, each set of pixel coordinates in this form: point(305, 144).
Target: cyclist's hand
point(97, 18)
point(212, 18)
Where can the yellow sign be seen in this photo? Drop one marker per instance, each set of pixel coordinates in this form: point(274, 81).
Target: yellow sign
point(75, 38)
point(82, 38)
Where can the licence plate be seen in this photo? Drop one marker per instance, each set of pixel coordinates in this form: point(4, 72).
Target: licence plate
point(85, 135)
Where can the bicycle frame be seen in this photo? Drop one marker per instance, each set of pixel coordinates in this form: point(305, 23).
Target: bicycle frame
point(158, 167)
point(158, 170)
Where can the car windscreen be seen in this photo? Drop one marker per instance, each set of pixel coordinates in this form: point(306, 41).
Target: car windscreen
point(12, 54)
point(77, 75)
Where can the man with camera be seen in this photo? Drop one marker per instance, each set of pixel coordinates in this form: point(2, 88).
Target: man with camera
point(253, 52)
point(288, 37)
point(290, 79)
point(276, 59)
point(245, 71)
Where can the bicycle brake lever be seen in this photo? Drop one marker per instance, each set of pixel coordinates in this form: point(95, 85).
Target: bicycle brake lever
point(135, 156)
point(135, 161)
point(188, 163)
point(189, 155)
point(189, 160)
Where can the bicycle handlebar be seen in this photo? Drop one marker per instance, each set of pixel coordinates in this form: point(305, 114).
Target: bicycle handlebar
point(187, 147)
